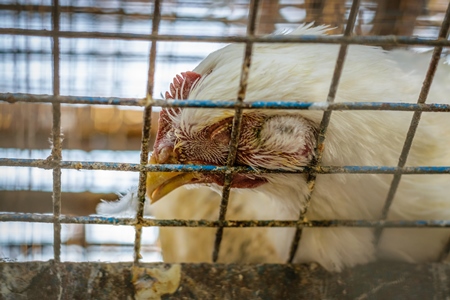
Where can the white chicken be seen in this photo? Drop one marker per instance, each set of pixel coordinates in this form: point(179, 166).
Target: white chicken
point(286, 139)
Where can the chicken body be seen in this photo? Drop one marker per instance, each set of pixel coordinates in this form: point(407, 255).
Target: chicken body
point(285, 139)
point(239, 245)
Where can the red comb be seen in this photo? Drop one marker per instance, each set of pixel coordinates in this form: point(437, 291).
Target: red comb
point(179, 89)
point(182, 85)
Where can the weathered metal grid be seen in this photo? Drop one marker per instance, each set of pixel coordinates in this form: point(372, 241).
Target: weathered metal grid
point(362, 40)
point(200, 281)
point(55, 160)
point(56, 154)
point(146, 134)
point(311, 177)
point(443, 33)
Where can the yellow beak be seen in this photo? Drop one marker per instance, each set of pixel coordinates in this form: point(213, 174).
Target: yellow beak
point(160, 184)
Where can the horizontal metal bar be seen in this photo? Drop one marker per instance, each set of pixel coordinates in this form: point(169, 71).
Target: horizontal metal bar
point(47, 218)
point(33, 98)
point(107, 280)
point(321, 106)
point(37, 243)
point(83, 55)
point(142, 15)
point(321, 39)
point(122, 12)
point(113, 166)
point(99, 11)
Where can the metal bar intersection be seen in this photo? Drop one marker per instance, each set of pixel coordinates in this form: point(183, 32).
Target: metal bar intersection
point(56, 162)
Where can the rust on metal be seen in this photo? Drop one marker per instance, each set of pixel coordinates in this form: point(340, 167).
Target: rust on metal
point(94, 280)
point(146, 127)
point(354, 40)
point(237, 122)
point(56, 154)
point(147, 222)
point(324, 124)
point(443, 33)
point(49, 163)
point(220, 104)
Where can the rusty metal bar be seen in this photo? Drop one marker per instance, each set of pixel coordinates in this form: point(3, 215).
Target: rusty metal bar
point(146, 126)
point(56, 154)
point(105, 281)
point(360, 40)
point(311, 177)
point(94, 11)
point(98, 54)
point(237, 120)
point(443, 33)
point(113, 166)
point(383, 106)
point(147, 222)
point(122, 13)
point(125, 244)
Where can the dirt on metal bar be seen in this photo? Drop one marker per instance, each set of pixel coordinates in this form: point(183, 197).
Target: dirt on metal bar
point(311, 176)
point(354, 40)
point(68, 280)
point(219, 104)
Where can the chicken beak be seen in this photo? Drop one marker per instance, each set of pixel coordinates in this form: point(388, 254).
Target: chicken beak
point(167, 183)
point(160, 184)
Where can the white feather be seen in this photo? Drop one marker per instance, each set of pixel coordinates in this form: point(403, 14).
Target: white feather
point(125, 206)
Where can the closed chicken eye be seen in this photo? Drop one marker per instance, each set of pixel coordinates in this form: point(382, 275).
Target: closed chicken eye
point(220, 131)
point(221, 134)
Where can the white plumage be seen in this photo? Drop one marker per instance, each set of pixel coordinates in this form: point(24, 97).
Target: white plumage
point(303, 72)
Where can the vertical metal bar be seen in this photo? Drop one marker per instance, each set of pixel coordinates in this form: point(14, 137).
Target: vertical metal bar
point(146, 133)
point(443, 33)
point(16, 47)
point(56, 155)
point(17, 70)
point(237, 120)
point(311, 178)
point(71, 82)
point(29, 108)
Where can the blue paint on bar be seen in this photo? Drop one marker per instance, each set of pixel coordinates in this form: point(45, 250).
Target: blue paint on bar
point(391, 170)
point(437, 107)
point(113, 166)
point(245, 105)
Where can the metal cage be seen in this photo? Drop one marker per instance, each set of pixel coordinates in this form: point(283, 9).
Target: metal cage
point(294, 280)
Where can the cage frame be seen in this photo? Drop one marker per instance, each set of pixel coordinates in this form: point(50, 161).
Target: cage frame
point(56, 162)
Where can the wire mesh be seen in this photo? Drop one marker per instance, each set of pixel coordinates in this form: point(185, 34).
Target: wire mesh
point(146, 133)
point(311, 179)
point(443, 33)
point(237, 123)
point(56, 163)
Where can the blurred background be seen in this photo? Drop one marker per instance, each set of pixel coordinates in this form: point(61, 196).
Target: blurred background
point(101, 67)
